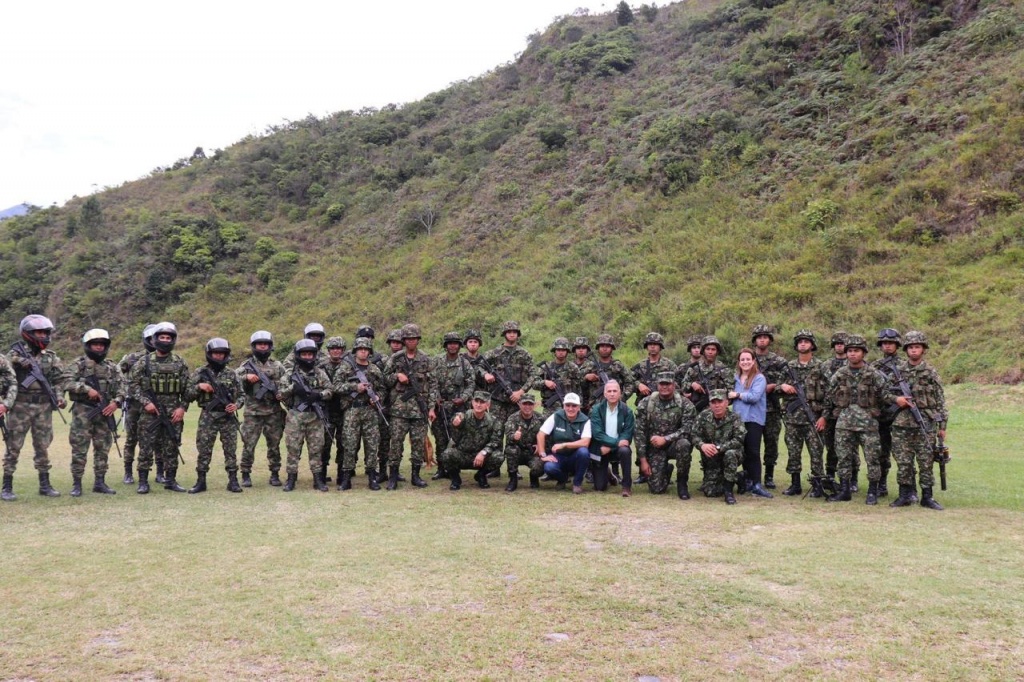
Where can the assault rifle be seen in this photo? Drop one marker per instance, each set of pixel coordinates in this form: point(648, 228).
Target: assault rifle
point(705, 399)
point(370, 393)
point(266, 384)
point(311, 399)
point(221, 398)
point(905, 390)
point(93, 383)
point(3, 429)
point(499, 377)
point(559, 392)
point(801, 404)
point(35, 375)
point(942, 457)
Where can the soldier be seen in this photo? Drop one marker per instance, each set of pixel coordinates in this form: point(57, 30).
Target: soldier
point(646, 372)
point(456, 379)
point(475, 444)
point(563, 444)
point(706, 375)
point(97, 387)
point(363, 381)
point(219, 394)
point(395, 345)
point(131, 409)
point(336, 406)
point(410, 376)
point(557, 377)
point(8, 394)
point(838, 359)
point(581, 357)
point(508, 372)
point(306, 389)
point(263, 412)
point(472, 341)
point(773, 367)
point(804, 373)
point(664, 421)
point(890, 365)
point(159, 381)
point(612, 425)
point(521, 443)
point(718, 434)
point(693, 344)
point(40, 376)
point(314, 331)
point(913, 441)
point(856, 395)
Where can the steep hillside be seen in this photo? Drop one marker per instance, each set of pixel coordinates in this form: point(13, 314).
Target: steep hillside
point(709, 166)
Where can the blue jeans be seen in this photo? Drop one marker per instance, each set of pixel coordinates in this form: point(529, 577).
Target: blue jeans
point(575, 461)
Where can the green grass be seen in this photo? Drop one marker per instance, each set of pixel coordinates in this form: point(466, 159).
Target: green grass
point(437, 585)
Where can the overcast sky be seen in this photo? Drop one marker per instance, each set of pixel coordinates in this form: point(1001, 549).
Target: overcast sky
point(93, 94)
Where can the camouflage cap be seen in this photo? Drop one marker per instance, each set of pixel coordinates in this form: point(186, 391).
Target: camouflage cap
point(889, 334)
point(606, 340)
point(839, 338)
point(914, 338)
point(695, 340)
point(711, 341)
point(411, 331)
point(856, 341)
point(472, 334)
point(482, 396)
point(719, 394)
point(762, 330)
point(666, 378)
point(451, 337)
point(363, 342)
point(528, 398)
point(511, 326)
point(805, 334)
point(581, 342)
point(336, 342)
point(561, 343)
point(653, 337)
point(394, 335)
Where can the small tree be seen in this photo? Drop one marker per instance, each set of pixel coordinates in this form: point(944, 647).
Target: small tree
point(623, 14)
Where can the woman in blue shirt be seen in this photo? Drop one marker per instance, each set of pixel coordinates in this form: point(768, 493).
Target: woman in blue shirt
point(751, 403)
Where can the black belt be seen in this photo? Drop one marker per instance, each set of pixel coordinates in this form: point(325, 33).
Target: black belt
point(33, 398)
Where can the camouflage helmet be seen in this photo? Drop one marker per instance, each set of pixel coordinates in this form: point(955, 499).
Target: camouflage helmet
point(365, 331)
point(336, 342)
point(605, 340)
point(451, 337)
point(653, 337)
point(839, 338)
point(695, 340)
point(711, 341)
point(581, 342)
point(805, 334)
point(511, 326)
point(914, 338)
point(472, 334)
point(561, 343)
point(411, 331)
point(395, 335)
point(889, 334)
point(762, 330)
point(856, 341)
point(363, 342)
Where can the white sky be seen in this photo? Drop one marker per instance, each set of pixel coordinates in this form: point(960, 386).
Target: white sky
point(93, 94)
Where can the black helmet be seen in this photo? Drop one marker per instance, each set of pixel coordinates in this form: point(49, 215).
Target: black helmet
point(164, 328)
point(214, 345)
point(364, 331)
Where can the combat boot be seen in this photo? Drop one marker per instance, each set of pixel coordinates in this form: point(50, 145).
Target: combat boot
point(913, 493)
point(494, 474)
point(76, 486)
point(872, 497)
point(843, 494)
point(345, 480)
point(534, 481)
point(143, 482)
point(416, 480)
point(904, 499)
point(7, 494)
point(171, 483)
point(247, 479)
point(318, 482)
point(374, 483)
point(160, 478)
point(392, 478)
point(883, 485)
point(669, 469)
point(324, 466)
point(729, 497)
point(200, 486)
point(513, 482)
point(439, 474)
point(481, 479)
point(853, 481)
point(233, 486)
point(769, 477)
point(289, 484)
point(794, 487)
point(100, 486)
point(46, 490)
point(275, 477)
point(928, 501)
point(816, 489)
point(456, 479)
point(681, 488)
point(128, 478)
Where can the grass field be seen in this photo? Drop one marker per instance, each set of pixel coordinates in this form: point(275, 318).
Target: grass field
point(434, 585)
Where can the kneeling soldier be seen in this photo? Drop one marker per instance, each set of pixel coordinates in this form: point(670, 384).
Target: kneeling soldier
point(718, 433)
point(521, 443)
point(476, 443)
point(663, 424)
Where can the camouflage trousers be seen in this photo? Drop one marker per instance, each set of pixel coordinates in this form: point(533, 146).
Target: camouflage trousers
point(85, 431)
point(211, 426)
point(885, 446)
point(831, 457)
point(847, 444)
point(772, 431)
point(131, 432)
point(454, 460)
point(155, 442)
point(441, 427)
point(384, 449)
point(361, 424)
point(719, 470)
point(798, 435)
point(336, 418)
point(299, 428)
point(271, 426)
point(658, 459)
point(416, 429)
point(502, 410)
point(25, 417)
point(910, 445)
point(517, 455)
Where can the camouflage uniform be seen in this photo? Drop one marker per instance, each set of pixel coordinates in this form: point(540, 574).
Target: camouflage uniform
point(32, 410)
point(515, 364)
point(672, 419)
point(566, 375)
point(646, 372)
point(773, 367)
point(131, 414)
point(470, 438)
point(8, 383)
point(165, 381)
point(581, 367)
point(214, 422)
point(523, 452)
point(855, 399)
point(362, 421)
point(812, 379)
point(828, 370)
point(302, 425)
point(456, 380)
point(908, 443)
point(407, 418)
point(262, 415)
point(335, 407)
point(889, 366)
point(728, 434)
point(607, 371)
point(96, 430)
point(717, 375)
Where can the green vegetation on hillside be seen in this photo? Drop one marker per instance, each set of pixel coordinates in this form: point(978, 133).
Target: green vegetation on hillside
point(700, 168)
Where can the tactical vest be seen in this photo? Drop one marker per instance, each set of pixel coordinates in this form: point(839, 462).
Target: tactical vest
point(104, 373)
point(849, 392)
point(165, 377)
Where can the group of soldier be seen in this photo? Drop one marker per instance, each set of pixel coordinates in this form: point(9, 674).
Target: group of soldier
point(482, 410)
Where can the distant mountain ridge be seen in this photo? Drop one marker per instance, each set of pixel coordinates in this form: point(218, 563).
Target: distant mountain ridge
point(14, 211)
